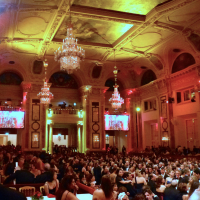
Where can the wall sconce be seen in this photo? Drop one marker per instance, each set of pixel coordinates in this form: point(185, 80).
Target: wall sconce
point(138, 109)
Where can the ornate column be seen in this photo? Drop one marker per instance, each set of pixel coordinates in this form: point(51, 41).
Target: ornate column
point(93, 117)
point(26, 86)
point(128, 94)
point(51, 138)
point(85, 91)
point(79, 137)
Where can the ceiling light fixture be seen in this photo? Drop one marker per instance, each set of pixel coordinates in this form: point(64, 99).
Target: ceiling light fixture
point(116, 101)
point(45, 95)
point(70, 55)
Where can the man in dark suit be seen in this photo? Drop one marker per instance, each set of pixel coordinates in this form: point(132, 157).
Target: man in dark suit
point(7, 194)
point(171, 193)
point(97, 173)
point(186, 174)
point(44, 177)
point(163, 174)
point(21, 176)
point(126, 167)
point(151, 183)
point(178, 176)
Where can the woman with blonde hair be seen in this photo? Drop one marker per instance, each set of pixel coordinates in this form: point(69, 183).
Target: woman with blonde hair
point(139, 181)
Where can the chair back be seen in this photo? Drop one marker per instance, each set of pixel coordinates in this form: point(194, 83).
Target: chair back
point(27, 191)
point(42, 190)
point(13, 188)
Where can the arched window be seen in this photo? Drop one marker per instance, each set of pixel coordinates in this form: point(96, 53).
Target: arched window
point(147, 77)
point(183, 61)
point(63, 80)
point(111, 82)
point(10, 78)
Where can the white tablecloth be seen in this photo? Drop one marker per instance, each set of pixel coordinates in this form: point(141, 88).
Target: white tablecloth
point(45, 198)
point(84, 196)
point(79, 196)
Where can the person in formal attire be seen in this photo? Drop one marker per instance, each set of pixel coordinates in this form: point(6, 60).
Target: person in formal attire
point(105, 171)
point(7, 194)
point(150, 195)
point(121, 182)
point(51, 186)
point(163, 174)
point(169, 179)
point(126, 167)
point(45, 176)
point(97, 173)
point(67, 189)
point(106, 192)
point(178, 176)
point(139, 181)
point(21, 176)
point(34, 170)
point(113, 176)
point(123, 150)
point(171, 193)
point(152, 183)
point(160, 187)
point(186, 176)
point(194, 185)
point(196, 173)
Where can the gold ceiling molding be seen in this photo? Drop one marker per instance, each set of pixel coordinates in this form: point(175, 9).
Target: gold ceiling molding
point(54, 25)
point(164, 26)
point(152, 17)
point(43, 10)
point(107, 15)
point(104, 18)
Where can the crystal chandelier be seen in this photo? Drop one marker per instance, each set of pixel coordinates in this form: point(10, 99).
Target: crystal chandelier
point(116, 101)
point(45, 95)
point(70, 55)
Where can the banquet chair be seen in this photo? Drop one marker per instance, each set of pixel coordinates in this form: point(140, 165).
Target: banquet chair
point(13, 188)
point(27, 191)
point(42, 190)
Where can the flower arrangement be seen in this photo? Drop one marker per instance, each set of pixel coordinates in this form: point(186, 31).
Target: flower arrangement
point(37, 196)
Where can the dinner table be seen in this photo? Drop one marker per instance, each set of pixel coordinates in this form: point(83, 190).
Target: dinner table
point(86, 196)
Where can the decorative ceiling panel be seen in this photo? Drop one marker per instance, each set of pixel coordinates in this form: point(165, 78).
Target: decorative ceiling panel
point(122, 56)
point(183, 15)
point(96, 31)
point(137, 7)
point(32, 24)
point(41, 2)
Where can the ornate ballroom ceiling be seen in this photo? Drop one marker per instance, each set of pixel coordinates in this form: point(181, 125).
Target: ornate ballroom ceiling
point(146, 34)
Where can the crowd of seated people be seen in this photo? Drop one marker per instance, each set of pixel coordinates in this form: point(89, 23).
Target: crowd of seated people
point(166, 150)
point(110, 176)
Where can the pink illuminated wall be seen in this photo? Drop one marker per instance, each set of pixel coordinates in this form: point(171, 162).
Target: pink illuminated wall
point(116, 122)
point(11, 119)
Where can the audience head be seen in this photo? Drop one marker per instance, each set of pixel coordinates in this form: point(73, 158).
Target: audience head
point(47, 167)
point(159, 181)
point(174, 183)
point(182, 187)
point(139, 197)
point(194, 186)
point(53, 175)
point(148, 194)
point(106, 186)
point(138, 173)
point(67, 183)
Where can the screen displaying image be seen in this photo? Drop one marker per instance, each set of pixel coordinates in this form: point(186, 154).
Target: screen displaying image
point(116, 122)
point(11, 119)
